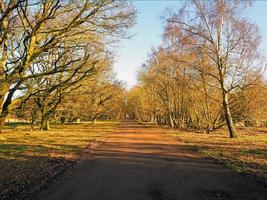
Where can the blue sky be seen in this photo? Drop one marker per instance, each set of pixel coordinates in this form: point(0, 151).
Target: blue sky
point(147, 32)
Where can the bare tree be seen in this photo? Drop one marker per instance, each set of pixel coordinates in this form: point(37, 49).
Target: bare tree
point(35, 32)
point(216, 29)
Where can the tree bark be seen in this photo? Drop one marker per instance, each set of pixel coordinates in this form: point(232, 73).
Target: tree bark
point(45, 125)
point(3, 108)
point(119, 114)
point(93, 121)
point(172, 125)
point(62, 120)
point(228, 117)
point(2, 123)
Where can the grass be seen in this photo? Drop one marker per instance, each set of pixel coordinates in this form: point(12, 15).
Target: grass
point(245, 154)
point(30, 159)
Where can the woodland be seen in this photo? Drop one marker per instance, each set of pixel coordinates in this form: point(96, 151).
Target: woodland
point(57, 56)
point(59, 94)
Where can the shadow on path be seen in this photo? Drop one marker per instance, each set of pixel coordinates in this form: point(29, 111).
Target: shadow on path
point(137, 162)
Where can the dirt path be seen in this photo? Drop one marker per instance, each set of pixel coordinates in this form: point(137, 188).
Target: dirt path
point(137, 162)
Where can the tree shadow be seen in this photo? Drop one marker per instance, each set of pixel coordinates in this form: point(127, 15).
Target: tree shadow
point(135, 166)
point(22, 177)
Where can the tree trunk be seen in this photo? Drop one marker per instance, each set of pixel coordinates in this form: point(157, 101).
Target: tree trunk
point(228, 117)
point(3, 105)
point(171, 121)
point(138, 116)
point(62, 120)
point(94, 118)
point(207, 130)
point(154, 119)
point(2, 123)
point(45, 125)
point(119, 115)
point(94, 121)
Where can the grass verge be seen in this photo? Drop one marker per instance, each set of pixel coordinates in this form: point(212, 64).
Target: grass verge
point(246, 154)
point(29, 160)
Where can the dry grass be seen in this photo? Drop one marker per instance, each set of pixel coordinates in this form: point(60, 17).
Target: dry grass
point(28, 160)
point(245, 154)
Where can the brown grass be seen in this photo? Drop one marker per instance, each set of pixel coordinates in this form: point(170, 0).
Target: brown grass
point(29, 160)
point(245, 154)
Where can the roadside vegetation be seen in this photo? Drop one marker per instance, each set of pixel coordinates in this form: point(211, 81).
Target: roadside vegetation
point(246, 154)
point(29, 160)
point(56, 60)
point(57, 81)
point(51, 51)
point(206, 82)
point(208, 72)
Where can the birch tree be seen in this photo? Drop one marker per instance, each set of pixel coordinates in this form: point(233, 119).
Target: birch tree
point(219, 31)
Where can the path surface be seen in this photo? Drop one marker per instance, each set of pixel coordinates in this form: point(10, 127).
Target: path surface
point(137, 162)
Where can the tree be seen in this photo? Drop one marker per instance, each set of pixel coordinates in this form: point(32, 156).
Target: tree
point(97, 98)
point(216, 29)
point(202, 75)
point(33, 33)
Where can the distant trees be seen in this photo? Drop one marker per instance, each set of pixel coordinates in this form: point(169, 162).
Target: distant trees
point(209, 61)
point(55, 64)
point(97, 98)
point(47, 46)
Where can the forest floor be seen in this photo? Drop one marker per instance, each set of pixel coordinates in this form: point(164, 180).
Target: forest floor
point(246, 154)
point(139, 162)
point(31, 159)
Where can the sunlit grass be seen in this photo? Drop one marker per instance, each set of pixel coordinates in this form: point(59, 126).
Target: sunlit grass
point(245, 154)
point(63, 141)
point(28, 158)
